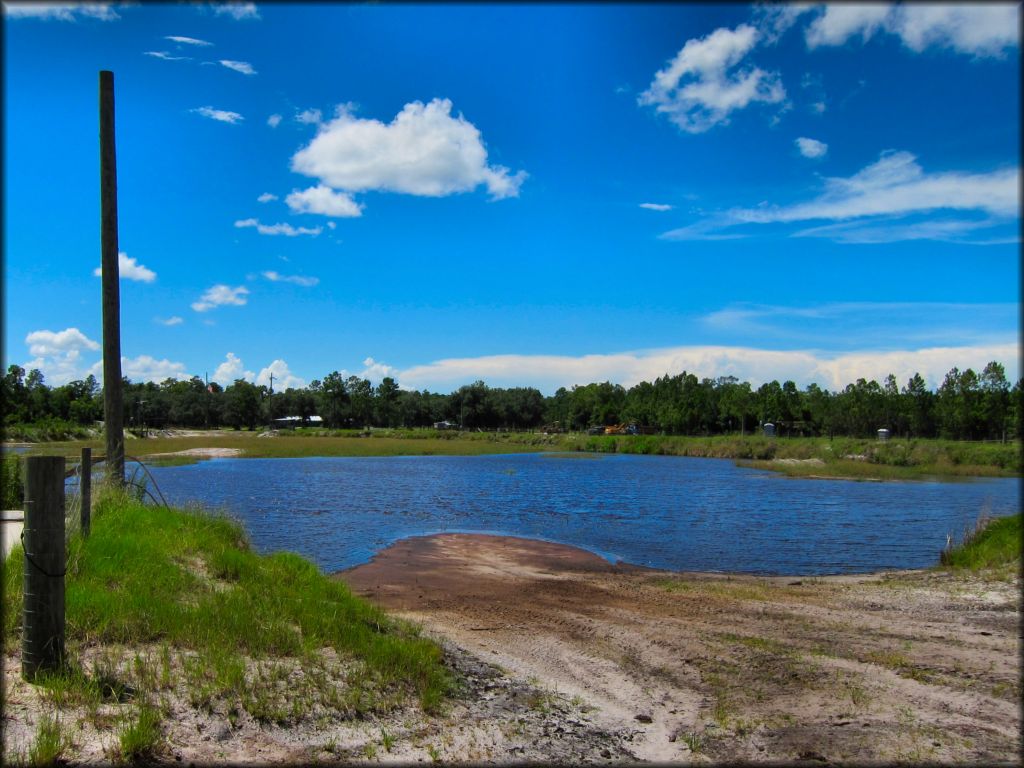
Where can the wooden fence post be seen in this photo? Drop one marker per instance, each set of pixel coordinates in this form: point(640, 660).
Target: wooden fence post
point(85, 489)
point(113, 408)
point(43, 617)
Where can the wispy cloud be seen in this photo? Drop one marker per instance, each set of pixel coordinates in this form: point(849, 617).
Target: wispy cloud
point(238, 66)
point(60, 11)
point(266, 197)
point(166, 56)
point(276, 277)
point(881, 201)
point(221, 115)
point(811, 147)
point(170, 321)
point(309, 117)
point(656, 206)
point(187, 40)
point(129, 268)
point(274, 120)
point(278, 229)
point(236, 11)
point(702, 86)
point(221, 295)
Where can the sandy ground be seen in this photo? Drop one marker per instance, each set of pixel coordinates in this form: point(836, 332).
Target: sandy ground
point(917, 666)
point(208, 453)
point(564, 658)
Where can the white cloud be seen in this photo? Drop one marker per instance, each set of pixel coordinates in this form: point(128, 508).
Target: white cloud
point(981, 29)
point(896, 184)
point(818, 107)
point(828, 369)
point(60, 11)
point(266, 197)
point(700, 88)
point(223, 116)
point(273, 121)
point(811, 147)
point(239, 66)
point(237, 11)
point(283, 378)
point(129, 269)
point(302, 280)
point(885, 230)
point(58, 354)
point(278, 229)
point(146, 368)
point(774, 19)
point(166, 56)
point(175, 320)
point(221, 295)
point(656, 206)
point(324, 200)
point(375, 371)
point(230, 370)
point(187, 40)
point(309, 117)
point(423, 151)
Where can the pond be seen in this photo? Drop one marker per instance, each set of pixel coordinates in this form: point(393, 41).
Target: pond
point(659, 511)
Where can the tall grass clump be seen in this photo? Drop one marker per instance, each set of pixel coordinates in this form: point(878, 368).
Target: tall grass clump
point(993, 543)
point(10, 481)
point(150, 575)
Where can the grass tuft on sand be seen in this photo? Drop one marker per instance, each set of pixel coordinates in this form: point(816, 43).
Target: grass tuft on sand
point(993, 544)
point(187, 582)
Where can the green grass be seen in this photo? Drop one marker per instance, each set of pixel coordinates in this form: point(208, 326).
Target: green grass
point(188, 581)
point(10, 481)
point(994, 544)
point(139, 736)
point(49, 744)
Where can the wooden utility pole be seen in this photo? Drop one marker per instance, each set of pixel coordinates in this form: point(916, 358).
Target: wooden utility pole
point(42, 639)
point(113, 409)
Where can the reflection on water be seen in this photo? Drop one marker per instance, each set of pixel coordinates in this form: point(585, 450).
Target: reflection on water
point(660, 511)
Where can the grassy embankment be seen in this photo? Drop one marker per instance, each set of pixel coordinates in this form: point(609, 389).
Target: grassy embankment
point(854, 458)
point(994, 545)
point(164, 603)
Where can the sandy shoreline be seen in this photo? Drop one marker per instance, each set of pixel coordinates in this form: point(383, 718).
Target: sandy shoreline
point(919, 665)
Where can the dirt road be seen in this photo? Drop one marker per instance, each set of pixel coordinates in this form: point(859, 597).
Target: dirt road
point(919, 666)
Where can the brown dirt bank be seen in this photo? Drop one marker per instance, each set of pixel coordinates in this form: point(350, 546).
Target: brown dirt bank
point(915, 666)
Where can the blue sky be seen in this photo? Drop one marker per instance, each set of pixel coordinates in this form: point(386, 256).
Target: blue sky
point(539, 195)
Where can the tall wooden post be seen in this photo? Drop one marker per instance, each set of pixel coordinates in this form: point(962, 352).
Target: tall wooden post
point(113, 411)
point(43, 613)
point(85, 490)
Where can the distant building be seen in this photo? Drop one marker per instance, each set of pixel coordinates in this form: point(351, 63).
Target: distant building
point(445, 425)
point(883, 434)
point(291, 422)
point(769, 429)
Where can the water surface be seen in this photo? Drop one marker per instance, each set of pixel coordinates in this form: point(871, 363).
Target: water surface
point(660, 511)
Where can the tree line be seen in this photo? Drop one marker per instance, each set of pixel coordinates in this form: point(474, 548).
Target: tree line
point(966, 406)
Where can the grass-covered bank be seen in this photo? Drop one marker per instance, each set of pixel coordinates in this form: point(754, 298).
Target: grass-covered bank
point(815, 456)
point(160, 600)
point(995, 544)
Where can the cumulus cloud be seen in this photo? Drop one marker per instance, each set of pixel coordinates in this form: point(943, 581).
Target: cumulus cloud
point(322, 199)
point(830, 370)
point(278, 229)
point(266, 197)
point(982, 29)
point(146, 368)
point(130, 269)
point(422, 151)
point(239, 66)
point(221, 295)
point(283, 378)
point(58, 354)
point(309, 117)
point(60, 11)
point(222, 115)
point(187, 40)
point(656, 206)
point(702, 86)
point(236, 11)
point(811, 147)
point(303, 280)
point(230, 370)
